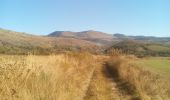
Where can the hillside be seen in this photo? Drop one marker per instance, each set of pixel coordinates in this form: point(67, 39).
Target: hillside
point(99, 38)
point(15, 42)
point(146, 39)
point(93, 41)
point(21, 39)
point(141, 48)
point(83, 34)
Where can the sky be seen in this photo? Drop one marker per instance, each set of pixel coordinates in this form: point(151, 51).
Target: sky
point(130, 17)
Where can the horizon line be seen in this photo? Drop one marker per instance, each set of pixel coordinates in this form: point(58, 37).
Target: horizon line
point(37, 34)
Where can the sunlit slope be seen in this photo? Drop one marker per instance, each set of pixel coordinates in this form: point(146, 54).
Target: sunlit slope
point(97, 37)
point(17, 42)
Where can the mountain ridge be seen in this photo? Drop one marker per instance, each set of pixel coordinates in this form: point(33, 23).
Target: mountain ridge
point(11, 41)
point(83, 34)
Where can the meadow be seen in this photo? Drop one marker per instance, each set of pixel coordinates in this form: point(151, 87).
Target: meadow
point(78, 76)
point(141, 83)
point(159, 65)
point(54, 77)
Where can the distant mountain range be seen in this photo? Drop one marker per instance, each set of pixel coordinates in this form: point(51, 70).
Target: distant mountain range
point(150, 39)
point(16, 42)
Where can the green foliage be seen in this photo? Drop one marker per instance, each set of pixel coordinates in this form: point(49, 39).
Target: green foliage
point(159, 65)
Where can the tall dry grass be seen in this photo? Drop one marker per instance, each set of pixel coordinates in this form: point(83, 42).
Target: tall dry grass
point(144, 84)
point(54, 77)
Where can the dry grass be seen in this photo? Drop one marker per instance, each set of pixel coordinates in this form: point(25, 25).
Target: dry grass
point(100, 87)
point(144, 84)
point(77, 76)
point(54, 77)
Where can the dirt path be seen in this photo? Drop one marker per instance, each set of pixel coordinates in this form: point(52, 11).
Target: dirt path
point(103, 86)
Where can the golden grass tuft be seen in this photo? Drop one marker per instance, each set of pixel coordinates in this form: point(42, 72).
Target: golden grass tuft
point(54, 77)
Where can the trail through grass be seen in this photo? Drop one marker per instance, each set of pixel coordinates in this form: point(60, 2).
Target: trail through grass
point(104, 86)
point(100, 87)
point(75, 76)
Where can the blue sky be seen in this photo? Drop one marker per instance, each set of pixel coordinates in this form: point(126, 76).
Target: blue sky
point(131, 17)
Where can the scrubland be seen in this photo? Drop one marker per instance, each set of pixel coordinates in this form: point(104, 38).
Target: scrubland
point(78, 76)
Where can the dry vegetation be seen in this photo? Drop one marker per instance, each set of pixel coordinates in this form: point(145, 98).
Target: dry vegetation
point(141, 83)
point(55, 77)
point(100, 87)
point(78, 76)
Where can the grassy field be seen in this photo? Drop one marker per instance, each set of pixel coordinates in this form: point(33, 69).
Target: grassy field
point(143, 83)
point(54, 77)
point(160, 65)
point(77, 76)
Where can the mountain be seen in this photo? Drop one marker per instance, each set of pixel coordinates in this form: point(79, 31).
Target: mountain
point(12, 42)
point(83, 34)
point(62, 34)
point(99, 38)
point(118, 35)
point(146, 39)
point(16, 42)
